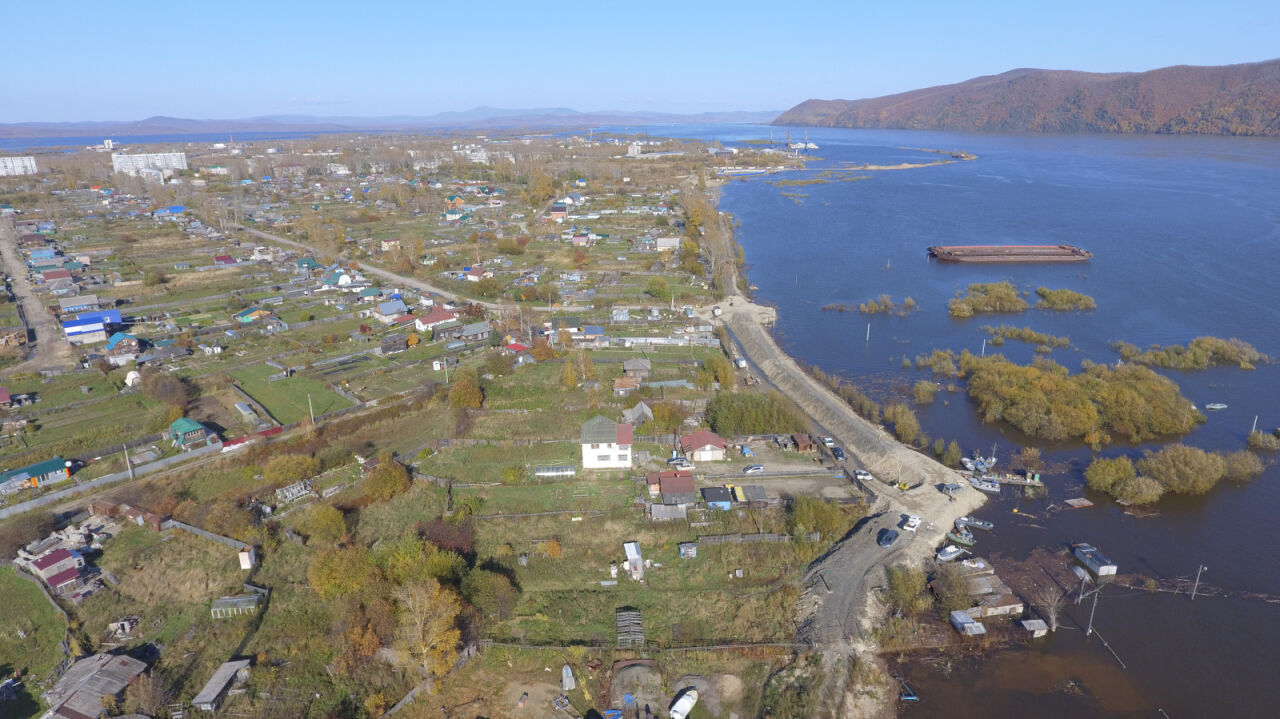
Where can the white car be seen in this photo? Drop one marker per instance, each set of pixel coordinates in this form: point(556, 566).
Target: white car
point(863, 475)
point(829, 441)
point(912, 523)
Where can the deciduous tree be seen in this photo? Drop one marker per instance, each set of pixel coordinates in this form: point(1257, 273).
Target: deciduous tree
point(429, 633)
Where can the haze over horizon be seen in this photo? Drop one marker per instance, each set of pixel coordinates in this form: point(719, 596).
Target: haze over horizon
point(240, 59)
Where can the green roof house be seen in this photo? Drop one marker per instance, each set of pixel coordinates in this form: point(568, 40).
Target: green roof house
point(187, 433)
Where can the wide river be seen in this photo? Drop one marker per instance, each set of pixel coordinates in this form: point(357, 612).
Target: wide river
point(1185, 233)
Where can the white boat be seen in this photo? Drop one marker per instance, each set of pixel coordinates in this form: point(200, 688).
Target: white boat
point(1215, 406)
point(912, 523)
point(985, 485)
point(949, 552)
point(683, 705)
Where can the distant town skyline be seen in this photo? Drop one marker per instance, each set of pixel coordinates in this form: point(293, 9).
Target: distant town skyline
point(243, 59)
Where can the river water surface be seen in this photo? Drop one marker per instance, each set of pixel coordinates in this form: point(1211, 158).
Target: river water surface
point(1185, 233)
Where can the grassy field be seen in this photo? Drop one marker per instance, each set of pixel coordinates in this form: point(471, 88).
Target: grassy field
point(286, 399)
point(27, 612)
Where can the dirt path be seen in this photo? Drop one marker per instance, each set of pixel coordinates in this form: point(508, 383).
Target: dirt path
point(50, 350)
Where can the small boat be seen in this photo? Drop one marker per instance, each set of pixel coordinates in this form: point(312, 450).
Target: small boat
point(962, 537)
point(975, 524)
point(974, 563)
point(949, 552)
point(681, 708)
point(985, 485)
point(1215, 406)
point(912, 523)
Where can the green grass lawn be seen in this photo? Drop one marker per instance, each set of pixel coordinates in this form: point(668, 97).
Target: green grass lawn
point(26, 611)
point(286, 399)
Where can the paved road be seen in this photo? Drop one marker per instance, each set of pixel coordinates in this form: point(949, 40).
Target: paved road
point(51, 351)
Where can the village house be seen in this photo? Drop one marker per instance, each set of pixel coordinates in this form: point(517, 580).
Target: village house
point(624, 386)
point(387, 312)
point(475, 332)
point(50, 471)
point(637, 367)
point(606, 444)
point(80, 693)
point(122, 349)
point(307, 264)
point(677, 487)
point(186, 433)
point(91, 327)
point(59, 567)
point(638, 414)
point(451, 330)
point(475, 274)
point(436, 317)
point(392, 344)
point(82, 303)
point(704, 446)
point(718, 498)
point(252, 314)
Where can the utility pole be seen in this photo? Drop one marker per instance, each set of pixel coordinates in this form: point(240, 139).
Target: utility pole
point(1096, 592)
point(984, 348)
point(1199, 569)
point(311, 410)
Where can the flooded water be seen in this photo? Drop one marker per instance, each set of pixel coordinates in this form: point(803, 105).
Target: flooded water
point(1185, 233)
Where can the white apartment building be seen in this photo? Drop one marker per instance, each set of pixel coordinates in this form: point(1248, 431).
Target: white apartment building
point(165, 162)
point(24, 165)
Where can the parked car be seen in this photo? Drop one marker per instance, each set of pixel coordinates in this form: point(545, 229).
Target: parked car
point(887, 537)
point(863, 475)
point(753, 469)
point(677, 460)
point(829, 441)
point(837, 453)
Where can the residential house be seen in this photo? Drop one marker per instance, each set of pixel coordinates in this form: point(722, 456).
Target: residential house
point(186, 433)
point(704, 446)
point(58, 568)
point(677, 487)
point(637, 415)
point(624, 386)
point(392, 344)
point(606, 444)
point(475, 274)
point(81, 692)
point(475, 332)
point(804, 443)
point(82, 303)
point(456, 214)
point(49, 471)
point(224, 260)
point(572, 325)
point(454, 201)
point(307, 264)
point(337, 278)
point(436, 317)
point(638, 368)
point(91, 327)
point(388, 311)
point(718, 497)
point(450, 330)
point(122, 349)
point(558, 212)
point(370, 294)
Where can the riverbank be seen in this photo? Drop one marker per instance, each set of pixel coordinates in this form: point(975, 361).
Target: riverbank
point(836, 613)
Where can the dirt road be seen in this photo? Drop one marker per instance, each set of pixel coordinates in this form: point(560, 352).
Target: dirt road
point(50, 350)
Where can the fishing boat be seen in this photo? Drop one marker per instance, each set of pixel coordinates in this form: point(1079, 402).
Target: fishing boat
point(949, 552)
point(962, 536)
point(978, 463)
point(985, 485)
point(972, 523)
point(1215, 406)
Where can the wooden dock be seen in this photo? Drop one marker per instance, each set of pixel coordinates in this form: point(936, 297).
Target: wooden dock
point(1014, 480)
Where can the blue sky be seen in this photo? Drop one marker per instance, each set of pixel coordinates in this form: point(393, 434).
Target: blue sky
point(226, 59)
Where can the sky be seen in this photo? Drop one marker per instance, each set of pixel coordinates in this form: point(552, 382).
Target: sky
point(74, 60)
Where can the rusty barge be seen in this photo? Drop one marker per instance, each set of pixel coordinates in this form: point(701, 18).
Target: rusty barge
point(1010, 253)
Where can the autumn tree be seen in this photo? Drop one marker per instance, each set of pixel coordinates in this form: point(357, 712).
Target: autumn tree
point(1182, 469)
point(542, 350)
point(165, 388)
point(568, 376)
point(325, 524)
point(429, 635)
point(466, 392)
point(389, 479)
point(490, 592)
point(146, 695)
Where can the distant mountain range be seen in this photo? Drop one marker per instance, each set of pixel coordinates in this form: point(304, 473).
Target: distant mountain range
point(1223, 100)
point(475, 118)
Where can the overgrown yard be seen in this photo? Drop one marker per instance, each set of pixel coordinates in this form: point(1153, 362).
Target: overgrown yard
point(286, 399)
point(30, 629)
